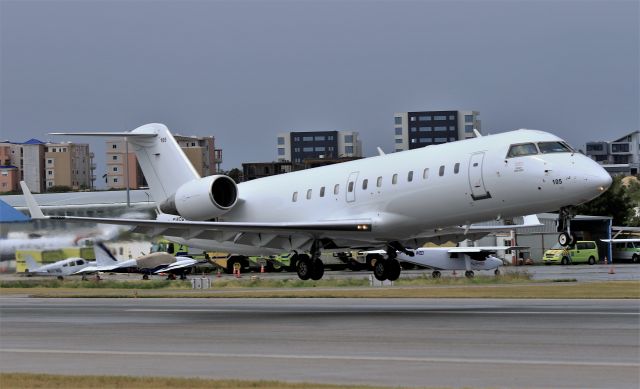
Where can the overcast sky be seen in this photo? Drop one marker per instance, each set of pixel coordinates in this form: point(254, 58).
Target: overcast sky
point(243, 71)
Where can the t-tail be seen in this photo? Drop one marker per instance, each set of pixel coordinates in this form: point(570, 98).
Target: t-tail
point(163, 163)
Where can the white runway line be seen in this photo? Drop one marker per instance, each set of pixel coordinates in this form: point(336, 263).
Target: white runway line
point(459, 312)
point(327, 357)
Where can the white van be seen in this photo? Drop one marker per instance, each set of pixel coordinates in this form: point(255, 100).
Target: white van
point(627, 251)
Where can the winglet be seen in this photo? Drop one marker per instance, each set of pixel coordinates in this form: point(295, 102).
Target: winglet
point(380, 152)
point(34, 209)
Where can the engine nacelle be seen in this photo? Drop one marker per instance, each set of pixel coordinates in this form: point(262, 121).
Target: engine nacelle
point(202, 199)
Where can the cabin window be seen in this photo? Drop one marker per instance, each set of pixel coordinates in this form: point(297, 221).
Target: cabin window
point(322, 192)
point(365, 182)
point(441, 171)
point(553, 147)
point(336, 189)
point(308, 194)
point(456, 168)
point(379, 182)
point(522, 150)
point(294, 198)
point(410, 176)
point(425, 174)
point(80, 262)
point(350, 187)
point(394, 179)
point(65, 265)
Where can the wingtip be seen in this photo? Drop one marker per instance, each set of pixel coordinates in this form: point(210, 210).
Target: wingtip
point(34, 209)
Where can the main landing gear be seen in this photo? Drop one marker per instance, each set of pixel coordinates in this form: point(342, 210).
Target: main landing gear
point(565, 238)
point(309, 267)
point(389, 268)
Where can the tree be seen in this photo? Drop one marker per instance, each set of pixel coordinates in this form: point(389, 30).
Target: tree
point(235, 174)
point(615, 202)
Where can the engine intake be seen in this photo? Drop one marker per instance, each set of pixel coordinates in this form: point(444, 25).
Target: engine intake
point(202, 199)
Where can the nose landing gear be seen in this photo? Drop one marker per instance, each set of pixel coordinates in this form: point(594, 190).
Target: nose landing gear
point(565, 238)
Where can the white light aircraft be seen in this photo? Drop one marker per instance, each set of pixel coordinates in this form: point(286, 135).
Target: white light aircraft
point(70, 266)
point(154, 263)
point(391, 201)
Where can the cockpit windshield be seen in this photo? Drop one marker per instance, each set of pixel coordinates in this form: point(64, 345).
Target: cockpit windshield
point(554, 147)
point(521, 150)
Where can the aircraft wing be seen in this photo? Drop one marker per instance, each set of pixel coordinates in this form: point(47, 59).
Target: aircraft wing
point(621, 240)
point(484, 248)
point(182, 264)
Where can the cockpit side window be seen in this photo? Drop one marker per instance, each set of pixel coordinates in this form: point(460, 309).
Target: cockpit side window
point(554, 147)
point(521, 150)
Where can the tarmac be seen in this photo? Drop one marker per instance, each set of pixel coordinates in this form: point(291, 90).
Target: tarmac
point(393, 342)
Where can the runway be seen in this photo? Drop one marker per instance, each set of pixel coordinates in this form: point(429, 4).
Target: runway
point(394, 342)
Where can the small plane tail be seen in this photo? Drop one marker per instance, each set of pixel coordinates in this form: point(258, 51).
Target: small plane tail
point(103, 255)
point(31, 263)
point(163, 163)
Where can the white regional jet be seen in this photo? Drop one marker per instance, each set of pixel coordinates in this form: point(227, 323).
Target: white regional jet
point(391, 201)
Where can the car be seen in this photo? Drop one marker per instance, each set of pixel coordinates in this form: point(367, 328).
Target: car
point(585, 251)
point(627, 251)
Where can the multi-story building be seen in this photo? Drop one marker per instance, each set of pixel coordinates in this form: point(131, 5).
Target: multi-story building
point(297, 147)
point(69, 164)
point(44, 165)
point(620, 156)
point(423, 128)
point(201, 151)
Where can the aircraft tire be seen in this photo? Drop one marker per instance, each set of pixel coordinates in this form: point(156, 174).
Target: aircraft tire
point(436, 274)
point(304, 267)
point(469, 274)
point(496, 272)
point(393, 273)
point(372, 259)
point(145, 276)
point(380, 270)
point(563, 239)
point(60, 278)
point(317, 268)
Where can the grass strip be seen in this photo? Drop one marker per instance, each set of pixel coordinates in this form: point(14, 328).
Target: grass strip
point(538, 290)
point(55, 381)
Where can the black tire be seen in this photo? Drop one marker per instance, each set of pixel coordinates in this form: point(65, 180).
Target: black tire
point(592, 260)
point(564, 261)
point(171, 277)
point(145, 276)
point(393, 273)
point(304, 267)
point(635, 258)
point(60, 278)
point(380, 270)
point(496, 272)
point(436, 274)
point(469, 274)
point(317, 268)
point(563, 239)
point(372, 259)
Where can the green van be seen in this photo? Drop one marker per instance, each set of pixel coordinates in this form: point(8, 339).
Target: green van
point(627, 251)
point(580, 252)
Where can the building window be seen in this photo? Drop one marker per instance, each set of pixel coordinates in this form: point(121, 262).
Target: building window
point(468, 118)
point(115, 157)
point(280, 140)
point(115, 180)
point(294, 198)
point(456, 168)
point(365, 182)
point(410, 176)
point(348, 149)
point(296, 139)
point(348, 139)
point(114, 146)
point(307, 149)
point(330, 137)
point(379, 182)
point(398, 140)
point(398, 120)
point(280, 151)
point(318, 138)
point(440, 128)
point(427, 128)
point(308, 194)
point(320, 148)
point(425, 174)
point(424, 118)
point(307, 138)
point(336, 189)
point(398, 131)
point(412, 118)
point(440, 117)
point(426, 140)
point(452, 117)
point(414, 129)
point(322, 192)
point(468, 128)
point(441, 171)
point(620, 148)
point(115, 168)
point(394, 179)
point(50, 172)
point(440, 140)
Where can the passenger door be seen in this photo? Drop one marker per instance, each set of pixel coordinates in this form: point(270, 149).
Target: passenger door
point(351, 187)
point(476, 182)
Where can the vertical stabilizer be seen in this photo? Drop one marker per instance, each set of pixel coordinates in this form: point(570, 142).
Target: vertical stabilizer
point(103, 255)
point(32, 265)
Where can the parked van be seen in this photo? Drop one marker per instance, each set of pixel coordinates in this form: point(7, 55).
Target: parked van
point(580, 252)
point(627, 251)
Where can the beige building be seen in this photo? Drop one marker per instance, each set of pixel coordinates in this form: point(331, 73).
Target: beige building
point(200, 151)
point(44, 165)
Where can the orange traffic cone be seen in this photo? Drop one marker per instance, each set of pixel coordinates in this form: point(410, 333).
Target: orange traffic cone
point(238, 273)
point(262, 268)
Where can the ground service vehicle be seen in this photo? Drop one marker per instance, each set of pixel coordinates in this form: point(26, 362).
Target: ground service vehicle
point(627, 251)
point(580, 252)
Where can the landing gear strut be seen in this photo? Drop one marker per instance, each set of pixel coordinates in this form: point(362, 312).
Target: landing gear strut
point(389, 268)
point(310, 267)
point(565, 238)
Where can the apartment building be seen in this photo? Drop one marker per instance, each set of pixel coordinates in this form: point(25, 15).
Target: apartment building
point(417, 129)
point(619, 156)
point(298, 146)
